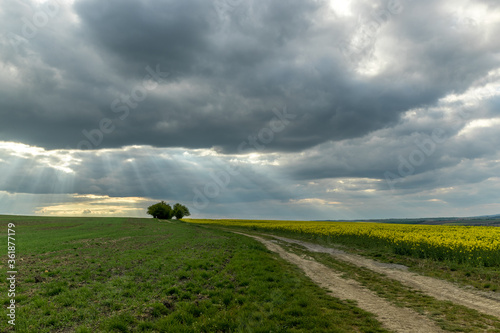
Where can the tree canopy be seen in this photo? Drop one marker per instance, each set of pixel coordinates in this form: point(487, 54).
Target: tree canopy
point(180, 211)
point(161, 210)
point(164, 211)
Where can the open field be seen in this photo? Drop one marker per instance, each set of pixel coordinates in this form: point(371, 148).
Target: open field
point(141, 275)
point(144, 275)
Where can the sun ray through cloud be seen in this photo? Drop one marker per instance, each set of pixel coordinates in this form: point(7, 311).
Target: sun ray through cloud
point(387, 97)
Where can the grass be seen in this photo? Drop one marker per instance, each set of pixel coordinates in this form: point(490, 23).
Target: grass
point(480, 277)
point(141, 275)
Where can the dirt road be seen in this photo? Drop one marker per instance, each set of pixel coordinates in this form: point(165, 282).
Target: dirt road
point(488, 303)
point(393, 318)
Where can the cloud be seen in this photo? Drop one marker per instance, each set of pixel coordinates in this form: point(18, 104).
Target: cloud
point(92, 205)
point(352, 109)
point(226, 73)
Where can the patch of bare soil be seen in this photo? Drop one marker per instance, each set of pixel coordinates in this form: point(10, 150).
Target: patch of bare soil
point(485, 302)
point(392, 317)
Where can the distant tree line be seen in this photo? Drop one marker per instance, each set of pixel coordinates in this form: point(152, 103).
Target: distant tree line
point(164, 211)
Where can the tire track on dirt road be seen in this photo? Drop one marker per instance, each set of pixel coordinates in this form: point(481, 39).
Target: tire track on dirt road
point(393, 318)
point(488, 303)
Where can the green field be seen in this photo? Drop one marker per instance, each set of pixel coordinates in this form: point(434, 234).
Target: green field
point(142, 275)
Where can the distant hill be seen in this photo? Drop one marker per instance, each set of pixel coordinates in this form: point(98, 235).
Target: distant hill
point(497, 216)
point(484, 220)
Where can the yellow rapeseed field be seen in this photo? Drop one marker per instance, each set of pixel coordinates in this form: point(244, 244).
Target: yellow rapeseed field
point(478, 246)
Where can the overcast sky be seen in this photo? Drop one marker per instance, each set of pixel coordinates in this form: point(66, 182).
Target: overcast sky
point(298, 109)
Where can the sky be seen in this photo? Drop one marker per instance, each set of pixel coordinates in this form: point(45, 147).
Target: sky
point(298, 109)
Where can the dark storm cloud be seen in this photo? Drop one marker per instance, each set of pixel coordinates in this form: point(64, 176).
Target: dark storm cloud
point(228, 67)
point(388, 105)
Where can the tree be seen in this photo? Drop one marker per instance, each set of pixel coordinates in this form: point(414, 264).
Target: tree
point(180, 211)
point(161, 210)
